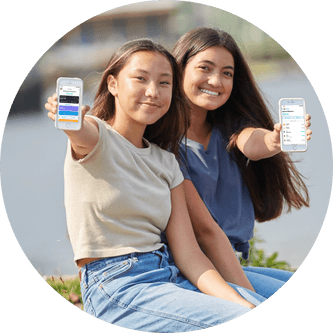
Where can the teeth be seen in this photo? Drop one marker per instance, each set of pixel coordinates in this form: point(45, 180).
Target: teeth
point(209, 92)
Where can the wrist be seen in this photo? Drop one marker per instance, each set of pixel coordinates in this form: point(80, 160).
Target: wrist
point(272, 142)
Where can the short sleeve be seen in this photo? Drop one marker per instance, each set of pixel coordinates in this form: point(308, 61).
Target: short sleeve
point(178, 175)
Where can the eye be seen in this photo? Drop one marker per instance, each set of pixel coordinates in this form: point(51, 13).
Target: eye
point(228, 74)
point(165, 83)
point(140, 78)
point(205, 68)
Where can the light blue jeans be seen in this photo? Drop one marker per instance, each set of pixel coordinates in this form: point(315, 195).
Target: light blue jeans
point(142, 291)
point(266, 281)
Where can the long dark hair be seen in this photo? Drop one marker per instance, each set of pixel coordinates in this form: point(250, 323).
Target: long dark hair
point(273, 183)
point(168, 131)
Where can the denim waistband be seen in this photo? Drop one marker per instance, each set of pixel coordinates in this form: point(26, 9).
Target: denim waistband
point(100, 263)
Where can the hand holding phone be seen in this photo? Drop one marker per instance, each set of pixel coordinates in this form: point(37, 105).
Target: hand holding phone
point(292, 118)
point(69, 114)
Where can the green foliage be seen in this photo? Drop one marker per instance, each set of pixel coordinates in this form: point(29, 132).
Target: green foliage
point(258, 258)
point(67, 288)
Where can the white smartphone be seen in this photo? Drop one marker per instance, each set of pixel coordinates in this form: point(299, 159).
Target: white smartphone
point(292, 117)
point(69, 114)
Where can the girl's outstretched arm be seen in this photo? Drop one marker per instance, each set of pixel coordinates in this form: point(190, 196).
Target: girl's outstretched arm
point(259, 143)
point(82, 141)
point(188, 256)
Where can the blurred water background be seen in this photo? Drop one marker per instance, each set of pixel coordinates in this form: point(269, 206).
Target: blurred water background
point(33, 151)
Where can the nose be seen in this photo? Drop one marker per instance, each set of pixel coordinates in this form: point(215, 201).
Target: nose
point(152, 90)
point(215, 80)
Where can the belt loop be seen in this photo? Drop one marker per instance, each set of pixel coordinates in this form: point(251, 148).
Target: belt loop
point(165, 249)
point(161, 253)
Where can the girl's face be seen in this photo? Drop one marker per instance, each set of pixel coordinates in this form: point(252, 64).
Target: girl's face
point(208, 78)
point(142, 89)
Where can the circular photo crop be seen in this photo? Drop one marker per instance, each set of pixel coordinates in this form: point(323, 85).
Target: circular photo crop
point(261, 191)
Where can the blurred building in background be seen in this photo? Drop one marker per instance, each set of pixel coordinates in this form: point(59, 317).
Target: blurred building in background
point(85, 50)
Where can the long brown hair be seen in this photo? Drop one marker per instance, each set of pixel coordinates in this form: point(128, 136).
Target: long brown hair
point(168, 131)
point(273, 183)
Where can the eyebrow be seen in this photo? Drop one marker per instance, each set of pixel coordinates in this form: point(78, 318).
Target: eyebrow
point(145, 72)
point(213, 64)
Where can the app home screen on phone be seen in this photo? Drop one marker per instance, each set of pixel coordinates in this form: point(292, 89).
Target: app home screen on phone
point(69, 103)
point(293, 124)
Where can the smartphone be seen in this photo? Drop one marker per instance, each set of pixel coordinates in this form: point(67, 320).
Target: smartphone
point(69, 114)
point(292, 117)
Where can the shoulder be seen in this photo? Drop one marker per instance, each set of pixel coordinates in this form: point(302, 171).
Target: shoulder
point(164, 157)
point(169, 164)
point(106, 132)
point(162, 153)
point(97, 122)
point(93, 120)
point(220, 137)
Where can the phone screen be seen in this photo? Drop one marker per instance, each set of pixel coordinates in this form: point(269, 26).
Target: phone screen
point(293, 122)
point(69, 103)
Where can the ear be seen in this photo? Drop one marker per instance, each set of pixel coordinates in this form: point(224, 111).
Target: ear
point(112, 85)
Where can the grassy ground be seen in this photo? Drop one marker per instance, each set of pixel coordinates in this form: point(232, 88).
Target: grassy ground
point(68, 288)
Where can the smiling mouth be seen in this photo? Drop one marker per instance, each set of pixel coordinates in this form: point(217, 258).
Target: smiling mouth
point(151, 104)
point(212, 93)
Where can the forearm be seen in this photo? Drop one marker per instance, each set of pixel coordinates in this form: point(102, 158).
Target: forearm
point(84, 140)
point(218, 249)
point(260, 143)
point(257, 144)
point(201, 272)
point(212, 239)
point(188, 256)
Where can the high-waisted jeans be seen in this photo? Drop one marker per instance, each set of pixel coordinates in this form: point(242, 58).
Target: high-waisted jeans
point(142, 291)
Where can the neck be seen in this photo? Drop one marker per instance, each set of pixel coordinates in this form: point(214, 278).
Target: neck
point(199, 129)
point(133, 134)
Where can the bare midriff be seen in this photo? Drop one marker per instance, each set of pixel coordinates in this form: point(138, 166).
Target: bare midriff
point(81, 262)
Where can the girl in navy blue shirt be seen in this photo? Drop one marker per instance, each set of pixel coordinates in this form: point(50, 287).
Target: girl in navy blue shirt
point(234, 169)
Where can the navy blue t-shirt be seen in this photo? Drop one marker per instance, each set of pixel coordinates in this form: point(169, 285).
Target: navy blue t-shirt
point(220, 184)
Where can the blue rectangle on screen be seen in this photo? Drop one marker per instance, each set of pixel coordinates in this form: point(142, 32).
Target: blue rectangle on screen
point(68, 108)
point(68, 113)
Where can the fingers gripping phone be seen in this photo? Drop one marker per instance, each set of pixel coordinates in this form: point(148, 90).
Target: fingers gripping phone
point(292, 117)
point(69, 114)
